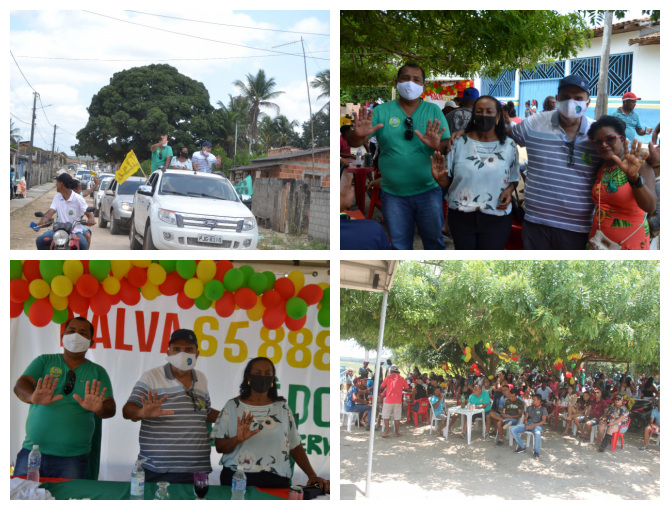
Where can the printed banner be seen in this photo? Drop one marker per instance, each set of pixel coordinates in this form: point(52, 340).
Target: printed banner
point(244, 187)
point(129, 166)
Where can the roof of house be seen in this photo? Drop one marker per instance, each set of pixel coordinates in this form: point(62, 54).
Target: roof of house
point(646, 40)
point(626, 26)
point(277, 160)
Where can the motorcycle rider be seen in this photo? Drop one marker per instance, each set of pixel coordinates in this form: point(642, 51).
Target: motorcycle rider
point(87, 193)
point(70, 207)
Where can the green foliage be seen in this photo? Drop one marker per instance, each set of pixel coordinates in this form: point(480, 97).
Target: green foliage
point(373, 44)
point(258, 91)
point(544, 309)
point(359, 95)
point(321, 132)
point(597, 17)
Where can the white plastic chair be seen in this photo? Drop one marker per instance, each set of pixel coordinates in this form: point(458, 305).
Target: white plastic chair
point(657, 438)
point(434, 418)
point(348, 417)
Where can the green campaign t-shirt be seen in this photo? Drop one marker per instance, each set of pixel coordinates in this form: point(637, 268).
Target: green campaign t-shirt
point(63, 428)
point(159, 157)
point(484, 398)
point(405, 164)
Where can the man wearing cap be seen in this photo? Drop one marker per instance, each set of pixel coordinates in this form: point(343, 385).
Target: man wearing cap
point(449, 107)
point(509, 413)
point(203, 160)
point(459, 118)
point(609, 423)
point(173, 403)
point(364, 371)
point(394, 384)
point(630, 117)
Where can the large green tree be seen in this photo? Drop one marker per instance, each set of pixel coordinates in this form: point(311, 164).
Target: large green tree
point(464, 42)
point(138, 105)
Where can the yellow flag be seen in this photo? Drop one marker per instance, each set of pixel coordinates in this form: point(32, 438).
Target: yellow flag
point(129, 166)
point(93, 173)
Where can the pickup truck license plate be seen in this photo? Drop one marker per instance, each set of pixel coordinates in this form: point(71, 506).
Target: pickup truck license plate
point(205, 238)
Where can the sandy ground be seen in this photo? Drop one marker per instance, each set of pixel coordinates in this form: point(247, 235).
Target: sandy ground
point(420, 466)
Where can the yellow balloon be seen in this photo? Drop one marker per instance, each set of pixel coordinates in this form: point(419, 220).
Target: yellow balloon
point(572, 381)
point(141, 263)
point(256, 313)
point(39, 289)
point(156, 274)
point(206, 270)
point(111, 285)
point(73, 269)
point(61, 286)
point(58, 302)
point(193, 288)
point(298, 280)
point(150, 291)
point(120, 268)
point(323, 285)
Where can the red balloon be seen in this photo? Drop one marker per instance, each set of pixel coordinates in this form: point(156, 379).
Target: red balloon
point(172, 285)
point(568, 375)
point(295, 325)
point(184, 301)
point(478, 372)
point(19, 290)
point(129, 295)
point(116, 298)
point(78, 303)
point(15, 309)
point(271, 298)
point(137, 276)
point(311, 294)
point(31, 270)
point(85, 264)
point(274, 317)
point(473, 367)
point(245, 298)
point(225, 306)
point(41, 313)
point(101, 303)
point(87, 285)
point(222, 267)
point(285, 287)
point(490, 351)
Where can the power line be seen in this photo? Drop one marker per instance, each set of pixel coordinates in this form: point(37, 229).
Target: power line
point(24, 76)
point(20, 120)
point(228, 25)
point(45, 113)
point(197, 37)
point(158, 60)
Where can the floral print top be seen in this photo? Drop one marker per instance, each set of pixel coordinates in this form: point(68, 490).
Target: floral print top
point(265, 451)
point(480, 172)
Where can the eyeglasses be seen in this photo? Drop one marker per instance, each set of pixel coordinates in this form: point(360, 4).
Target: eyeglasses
point(196, 405)
point(571, 152)
point(71, 379)
point(609, 140)
point(409, 132)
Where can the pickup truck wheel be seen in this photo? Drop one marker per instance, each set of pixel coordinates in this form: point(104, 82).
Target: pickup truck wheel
point(134, 243)
point(96, 212)
point(148, 240)
point(113, 224)
point(103, 221)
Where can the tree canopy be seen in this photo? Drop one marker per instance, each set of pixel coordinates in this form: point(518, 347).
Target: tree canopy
point(373, 44)
point(544, 310)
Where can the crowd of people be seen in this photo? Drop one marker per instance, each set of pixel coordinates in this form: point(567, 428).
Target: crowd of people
point(522, 403)
point(586, 183)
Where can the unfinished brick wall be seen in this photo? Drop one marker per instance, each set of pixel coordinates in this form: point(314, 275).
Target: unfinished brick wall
point(319, 215)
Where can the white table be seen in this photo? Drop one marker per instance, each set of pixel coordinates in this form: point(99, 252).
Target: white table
point(464, 412)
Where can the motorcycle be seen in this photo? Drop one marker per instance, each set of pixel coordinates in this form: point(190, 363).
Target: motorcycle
point(640, 414)
point(63, 236)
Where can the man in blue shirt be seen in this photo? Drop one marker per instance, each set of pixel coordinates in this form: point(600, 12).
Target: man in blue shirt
point(654, 427)
point(632, 119)
point(358, 234)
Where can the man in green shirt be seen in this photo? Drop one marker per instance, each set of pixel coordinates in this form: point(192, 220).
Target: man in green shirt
point(64, 392)
point(408, 132)
point(161, 154)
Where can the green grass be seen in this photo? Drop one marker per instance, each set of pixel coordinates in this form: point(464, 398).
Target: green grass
point(273, 241)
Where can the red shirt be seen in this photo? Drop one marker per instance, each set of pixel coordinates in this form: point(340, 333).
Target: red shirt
point(345, 148)
point(394, 385)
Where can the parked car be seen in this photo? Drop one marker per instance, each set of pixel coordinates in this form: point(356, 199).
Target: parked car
point(117, 204)
point(182, 209)
point(100, 192)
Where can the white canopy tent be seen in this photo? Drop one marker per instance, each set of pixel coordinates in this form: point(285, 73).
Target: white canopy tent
point(373, 276)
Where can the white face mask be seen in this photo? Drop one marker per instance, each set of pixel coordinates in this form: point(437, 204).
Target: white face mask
point(164, 145)
point(182, 361)
point(409, 90)
point(571, 109)
point(74, 342)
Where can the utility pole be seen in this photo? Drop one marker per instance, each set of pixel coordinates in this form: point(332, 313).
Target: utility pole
point(30, 147)
point(235, 155)
point(311, 120)
point(53, 145)
point(601, 100)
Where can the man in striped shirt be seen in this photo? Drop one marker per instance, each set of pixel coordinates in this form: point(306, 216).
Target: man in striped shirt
point(172, 401)
point(204, 160)
point(562, 165)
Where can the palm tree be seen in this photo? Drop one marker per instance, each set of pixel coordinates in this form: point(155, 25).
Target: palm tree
point(283, 130)
point(258, 90)
point(236, 112)
point(14, 133)
point(322, 82)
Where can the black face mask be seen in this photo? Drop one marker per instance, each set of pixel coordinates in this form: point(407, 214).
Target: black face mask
point(184, 154)
point(261, 383)
point(484, 122)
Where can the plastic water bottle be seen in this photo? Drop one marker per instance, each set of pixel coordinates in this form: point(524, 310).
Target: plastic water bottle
point(34, 463)
point(359, 156)
point(239, 483)
point(137, 481)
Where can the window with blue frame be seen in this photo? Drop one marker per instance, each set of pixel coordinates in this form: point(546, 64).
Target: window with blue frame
point(619, 76)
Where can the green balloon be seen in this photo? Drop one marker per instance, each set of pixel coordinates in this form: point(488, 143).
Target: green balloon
point(60, 316)
point(213, 290)
point(271, 279)
point(258, 283)
point(15, 269)
point(49, 269)
point(186, 268)
point(168, 265)
point(247, 271)
point(296, 308)
point(324, 317)
point(100, 268)
point(325, 300)
point(233, 279)
point(28, 303)
point(202, 302)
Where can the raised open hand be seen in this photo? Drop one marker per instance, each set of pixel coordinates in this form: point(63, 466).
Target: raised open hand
point(93, 397)
point(244, 431)
point(632, 161)
point(363, 123)
point(438, 170)
point(44, 391)
point(433, 134)
point(654, 157)
point(151, 407)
